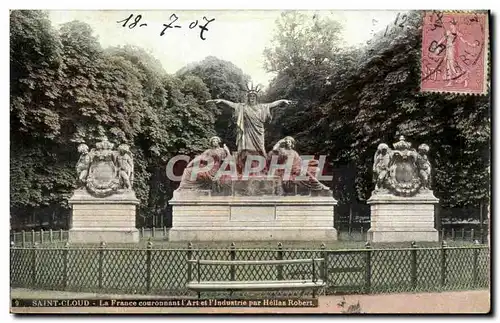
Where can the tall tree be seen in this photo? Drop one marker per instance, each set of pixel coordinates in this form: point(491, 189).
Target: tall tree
point(69, 90)
point(353, 99)
point(383, 100)
point(39, 178)
point(35, 57)
point(175, 121)
point(225, 81)
point(305, 49)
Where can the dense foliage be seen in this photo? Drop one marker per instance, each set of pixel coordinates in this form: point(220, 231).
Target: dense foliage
point(354, 99)
point(66, 89)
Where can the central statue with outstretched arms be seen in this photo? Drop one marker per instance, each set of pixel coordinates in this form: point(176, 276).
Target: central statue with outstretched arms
point(250, 119)
point(250, 194)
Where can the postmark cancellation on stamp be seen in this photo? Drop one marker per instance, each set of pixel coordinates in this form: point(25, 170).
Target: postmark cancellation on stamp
point(455, 52)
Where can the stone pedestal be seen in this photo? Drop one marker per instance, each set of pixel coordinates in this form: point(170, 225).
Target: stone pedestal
point(395, 218)
point(110, 219)
point(199, 216)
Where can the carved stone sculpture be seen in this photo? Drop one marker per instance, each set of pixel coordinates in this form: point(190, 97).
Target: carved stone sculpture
point(424, 166)
point(242, 197)
point(402, 171)
point(402, 204)
point(381, 163)
point(250, 119)
point(104, 171)
point(83, 164)
point(205, 179)
point(125, 165)
point(284, 149)
point(253, 204)
point(281, 172)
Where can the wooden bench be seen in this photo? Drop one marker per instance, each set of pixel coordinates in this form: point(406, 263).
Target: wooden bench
point(257, 285)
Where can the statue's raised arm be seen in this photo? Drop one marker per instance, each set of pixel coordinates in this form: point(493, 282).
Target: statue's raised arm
point(277, 146)
point(226, 102)
point(279, 102)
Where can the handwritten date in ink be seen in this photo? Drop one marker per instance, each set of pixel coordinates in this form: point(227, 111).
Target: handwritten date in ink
point(136, 21)
point(132, 24)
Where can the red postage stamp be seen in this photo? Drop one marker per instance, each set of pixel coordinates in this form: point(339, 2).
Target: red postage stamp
point(455, 52)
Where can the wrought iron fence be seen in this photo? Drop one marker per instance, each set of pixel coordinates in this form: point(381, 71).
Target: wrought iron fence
point(445, 234)
point(165, 271)
point(26, 238)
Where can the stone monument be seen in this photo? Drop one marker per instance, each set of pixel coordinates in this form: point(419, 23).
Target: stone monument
point(104, 205)
point(402, 204)
point(252, 194)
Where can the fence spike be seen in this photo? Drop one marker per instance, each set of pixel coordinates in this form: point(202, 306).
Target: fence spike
point(34, 264)
point(12, 244)
point(232, 268)
point(148, 265)
point(280, 245)
point(443, 244)
point(368, 245)
point(413, 264)
point(190, 245)
point(323, 246)
point(100, 265)
point(476, 242)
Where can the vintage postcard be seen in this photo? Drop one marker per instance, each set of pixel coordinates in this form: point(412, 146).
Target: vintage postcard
point(250, 161)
